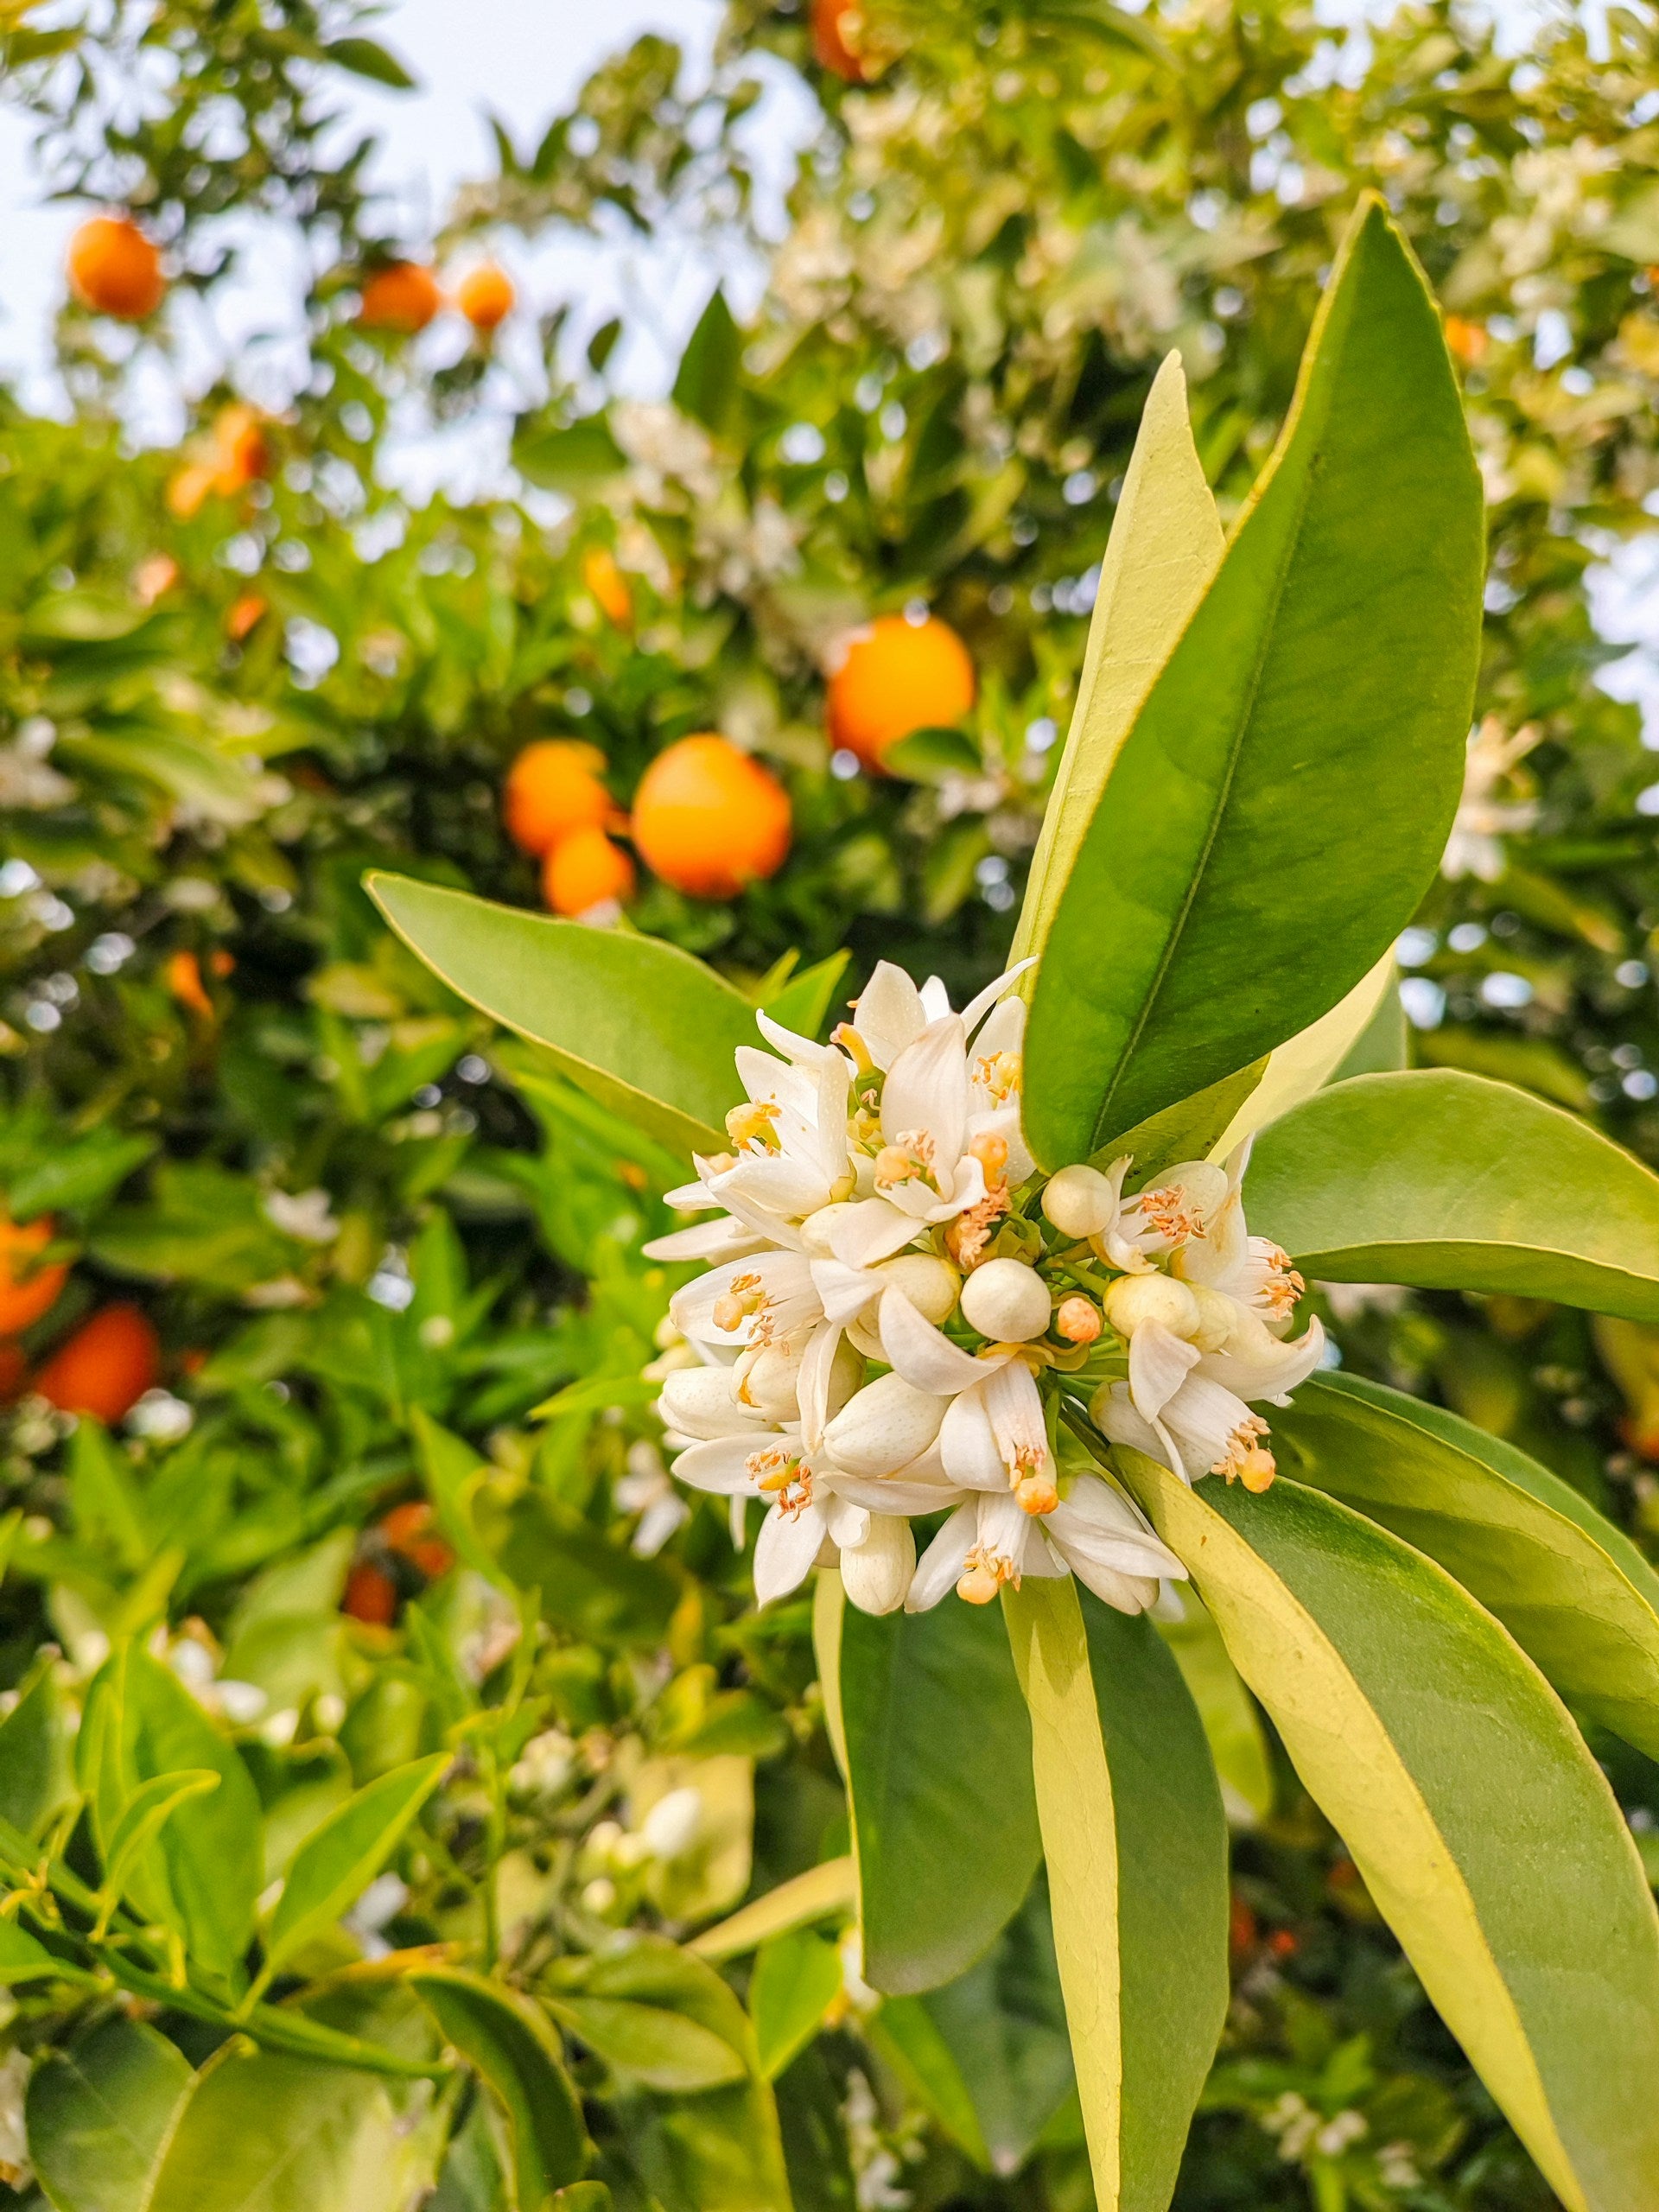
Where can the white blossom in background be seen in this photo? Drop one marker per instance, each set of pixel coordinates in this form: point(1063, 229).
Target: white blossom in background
point(1484, 819)
point(878, 1208)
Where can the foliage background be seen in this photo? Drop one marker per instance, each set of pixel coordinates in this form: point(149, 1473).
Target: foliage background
point(375, 1238)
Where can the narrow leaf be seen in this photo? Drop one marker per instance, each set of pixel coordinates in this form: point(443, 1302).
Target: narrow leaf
point(706, 385)
point(1136, 1845)
point(508, 2042)
point(823, 1890)
point(1452, 1182)
point(1483, 1828)
point(337, 1861)
point(1274, 814)
point(1571, 1588)
point(648, 2044)
point(144, 1817)
point(638, 1024)
point(797, 1978)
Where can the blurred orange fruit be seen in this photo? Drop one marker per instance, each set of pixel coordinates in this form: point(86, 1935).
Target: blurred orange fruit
point(402, 298)
point(1467, 341)
point(26, 1292)
point(708, 819)
point(13, 1367)
point(155, 575)
point(106, 1367)
point(244, 615)
point(586, 870)
point(114, 269)
point(832, 22)
point(553, 788)
point(371, 1595)
point(182, 975)
point(234, 455)
point(409, 1531)
point(607, 584)
point(485, 295)
point(899, 676)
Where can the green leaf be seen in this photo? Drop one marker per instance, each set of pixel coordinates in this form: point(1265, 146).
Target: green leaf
point(103, 1499)
point(928, 756)
point(1231, 1726)
point(803, 1002)
point(202, 1874)
point(638, 1024)
point(1483, 1828)
point(365, 58)
point(1572, 1590)
point(1454, 1183)
point(573, 458)
point(506, 2041)
point(265, 2133)
point(1191, 1130)
point(797, 1978)
point(36, 1776)
point(24, 1958)
point(144, 1817)
point(905, 2034)
point(99, 2113)
point(596, 1588)
point(78, 1173)
point(650, 2045)
point(337, 1860)
point(831, 1888)
point(1164, 547)
point(1305, 1062)
point(707, 384)
point(938, 1762)
point(1136, 1846)
point(1282, 801)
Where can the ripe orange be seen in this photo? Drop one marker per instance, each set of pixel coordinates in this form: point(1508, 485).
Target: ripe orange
point(182, 974)
point(552, 788)
point(407, 1530)
point(1467, 342)
point(235, 452)
point(114, 269)
point(830, 40)
point(585, 870)
point(106, 1367)
point(708, 819)
point(371, 1595)
point(402, 298)
point(244, 616)
point(26, 1292)
point(607, 584)
point(899, 676)
point(485, 296)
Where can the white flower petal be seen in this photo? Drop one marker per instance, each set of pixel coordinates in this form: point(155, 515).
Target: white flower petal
point(1159, 1362)
point(876, 1573)
point(868, 1230)
point(714, 1241)
point(1094, 1523)
point(699, 1402)
point(903, 1493)
point(927, 1091)
point(940, 1567)
point(1271, 1370)
point(848, 1523)
point(784, 1553)
point(884, 1427)
point(968, 1444)
point(889, 1013)
point(844, 1292)
point(990, 996)
point(925, 1356)
point(801, 1050)
point(1117, 1420)
point(722, 1466)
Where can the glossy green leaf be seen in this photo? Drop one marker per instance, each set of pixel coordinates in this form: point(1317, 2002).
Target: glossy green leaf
point(1280, 803)
point(1164, 547)
point(825, 1891)
point(1136, 1844)
point(1232, 1726)
point(707, 385)
point(649, 2043)
point(1305, 1062)
point(797, 1978)
point(144, 1817)
point(905, 2035)
point(202, 1874)
point(1454, 1183)
point(509, 2044)
point(1571, 1589)
point(1485, 1831)
point(802, 1001)
point(339, 1859)
point(261, 2133)
point(99, 2115)
point(939, 1778)
point(22, 1958)
point(35, 1774)
point(638, 1024)
point(1191, 1130)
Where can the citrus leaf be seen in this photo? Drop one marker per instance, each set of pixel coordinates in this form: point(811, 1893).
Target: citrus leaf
point(1571, 1588)
point(339, 1859)
point(1136, 1846)
point(638, 1024)
point(1279, 806)
point(99, 2115)
point(797, 1978)
point(508, 2042)
point(831, 1888)
point(1451, 1182)
point(1484, 1830)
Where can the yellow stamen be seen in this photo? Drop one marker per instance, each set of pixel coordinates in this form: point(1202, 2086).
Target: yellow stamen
point(908, 1159)
point(750, 1128)
point(1001, 1074)
point(1166, 1211)
point(851, 1043)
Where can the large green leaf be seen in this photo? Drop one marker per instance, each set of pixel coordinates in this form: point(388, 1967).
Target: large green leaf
point(1455, 1183)
point(1165, 547)
point(343, 1854)
point(1136, 1845)
point(638, 1024)
point(99, 2115)
point(511, 2046)
point(938, 1762)
point(1483, 1829)
point(1572, 1590)
point(1279, 804)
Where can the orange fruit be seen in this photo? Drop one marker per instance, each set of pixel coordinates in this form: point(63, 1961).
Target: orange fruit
point(407, 1530)
point(371, 1595)
point(241, 449)
point(898, 676)
point(830, 47)
point(182, 975)
point(114, 268)
point(244, 616)
point(13, 1367)
point(552, 788)
point(1466, 340)
point(188, 487)
point(708, 819)
point(485, 295)
point(585, 870)
point(106, 1367)
point(26, 1292)
point(607, 584)
point(402, 298)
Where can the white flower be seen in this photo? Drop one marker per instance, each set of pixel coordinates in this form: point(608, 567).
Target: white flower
point(645, 1489)
point(1094, 1532)
point(1475, 846)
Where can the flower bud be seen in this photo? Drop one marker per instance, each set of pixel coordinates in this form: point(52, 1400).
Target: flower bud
point(1219, 1318)
point(876, 1576)
point(764, 1379)
point(1134, 1301)
point(1078, 1319)
point(1079, 1201)
point(815, 1231)
point(884, 1427)
point(1006, 1301)
point(931, 1284)
point(699, 1402)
